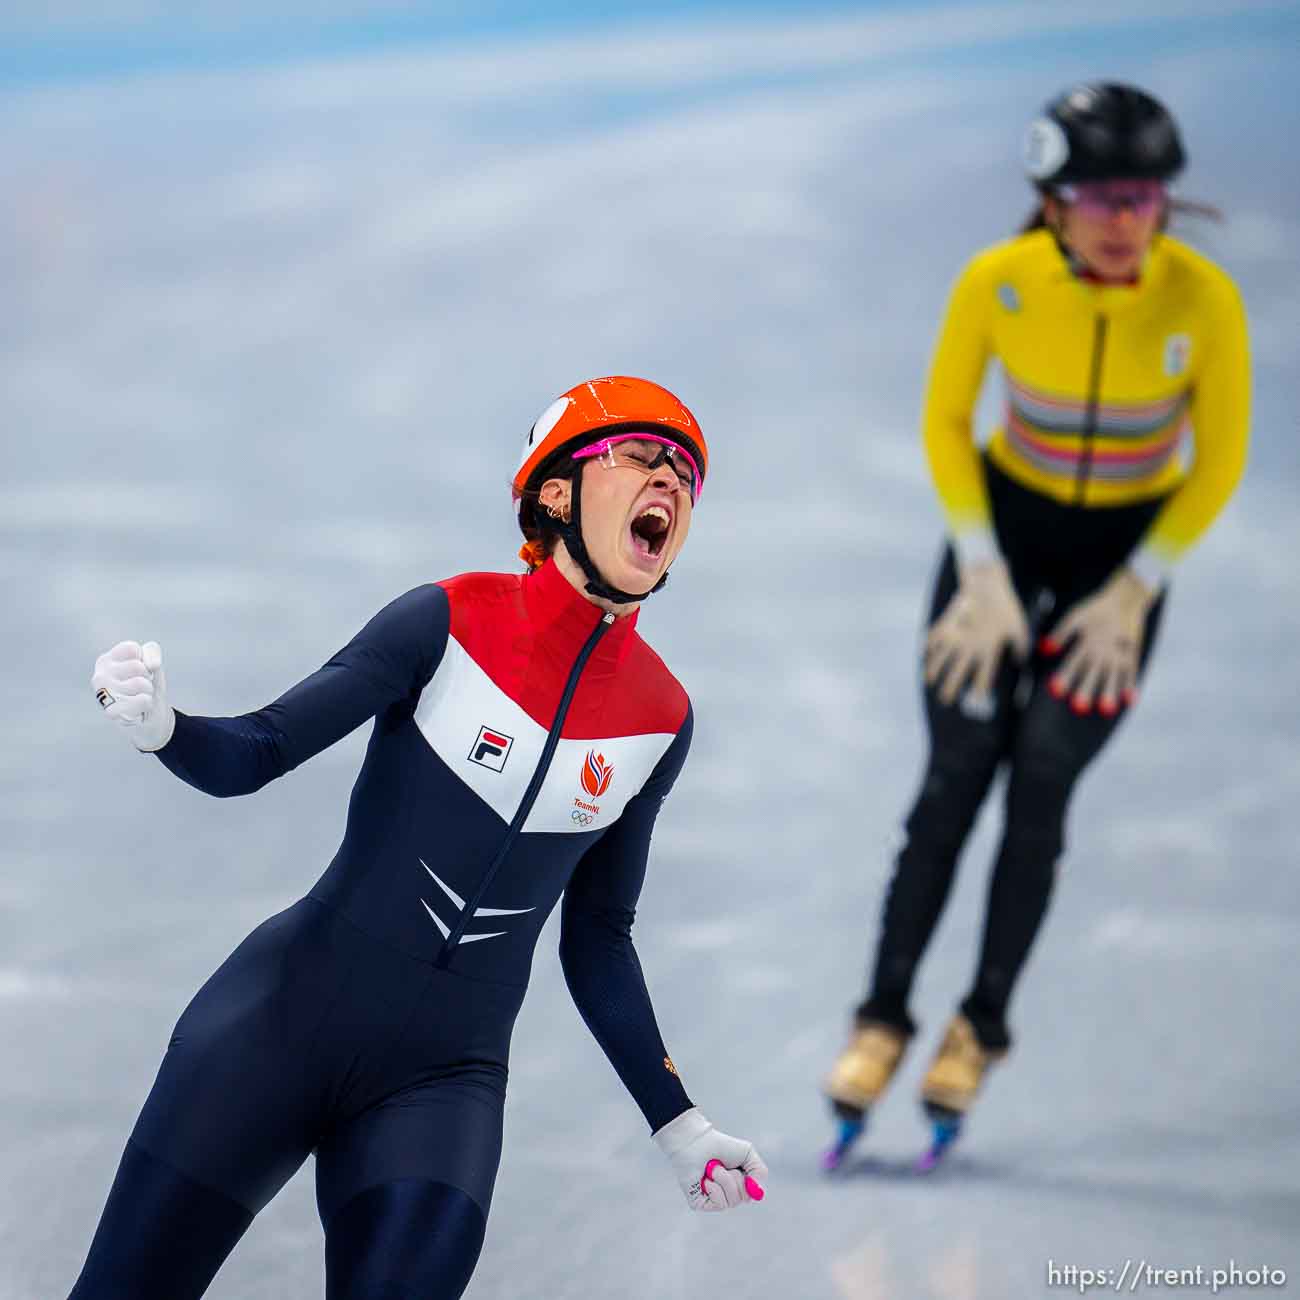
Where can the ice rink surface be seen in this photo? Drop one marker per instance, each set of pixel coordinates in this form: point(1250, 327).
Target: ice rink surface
point(271, 340)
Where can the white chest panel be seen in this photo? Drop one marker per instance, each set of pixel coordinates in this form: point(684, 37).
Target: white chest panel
point(492, 745)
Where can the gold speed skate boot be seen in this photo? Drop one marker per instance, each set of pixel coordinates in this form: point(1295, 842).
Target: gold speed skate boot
point(857, 1080)
point(951, 1084)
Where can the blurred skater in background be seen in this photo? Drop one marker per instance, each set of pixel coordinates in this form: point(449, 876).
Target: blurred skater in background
point(1115, 339)
point(525, 737)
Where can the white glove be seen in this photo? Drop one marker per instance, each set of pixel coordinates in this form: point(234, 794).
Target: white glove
point(1107, 631)
point(129, 684)
point(967, 640)
point(714, 1171)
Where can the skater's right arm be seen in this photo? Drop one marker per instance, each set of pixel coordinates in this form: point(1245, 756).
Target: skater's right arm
point(392, 658)
point(961, 355)
point(984, 618)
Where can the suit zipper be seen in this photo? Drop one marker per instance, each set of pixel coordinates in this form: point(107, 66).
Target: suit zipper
point(1090, 413)
point(530, 794)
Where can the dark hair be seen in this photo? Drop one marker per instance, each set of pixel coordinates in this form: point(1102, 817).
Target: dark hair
point(1036, 220)
point(548, 535)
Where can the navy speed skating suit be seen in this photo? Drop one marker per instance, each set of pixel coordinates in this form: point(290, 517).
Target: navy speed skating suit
point(522, 745)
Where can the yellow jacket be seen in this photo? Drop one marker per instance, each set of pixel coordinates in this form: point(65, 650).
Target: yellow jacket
point(1102, 383)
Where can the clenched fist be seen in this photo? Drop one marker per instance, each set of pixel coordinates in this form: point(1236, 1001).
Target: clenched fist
point(129, 684)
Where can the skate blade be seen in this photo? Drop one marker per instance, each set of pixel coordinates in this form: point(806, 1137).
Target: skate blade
point(946, 1129)
point(851, 1123)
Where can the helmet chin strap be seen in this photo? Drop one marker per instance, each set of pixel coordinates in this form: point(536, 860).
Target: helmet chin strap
point(570, 531)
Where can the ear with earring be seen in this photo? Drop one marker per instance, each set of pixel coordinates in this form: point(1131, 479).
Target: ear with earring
point(561, 515)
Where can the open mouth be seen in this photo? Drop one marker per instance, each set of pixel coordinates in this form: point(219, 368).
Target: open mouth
point(650, 531)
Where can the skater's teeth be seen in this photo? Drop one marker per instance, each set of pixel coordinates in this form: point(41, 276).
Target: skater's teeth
point(650, 528)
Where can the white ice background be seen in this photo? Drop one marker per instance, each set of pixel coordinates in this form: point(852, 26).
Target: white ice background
point(270, 339)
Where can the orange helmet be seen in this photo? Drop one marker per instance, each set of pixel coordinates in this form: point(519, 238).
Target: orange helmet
point(600, 407)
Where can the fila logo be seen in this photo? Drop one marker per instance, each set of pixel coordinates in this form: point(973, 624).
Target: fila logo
point(459, 904)
point(491, 749)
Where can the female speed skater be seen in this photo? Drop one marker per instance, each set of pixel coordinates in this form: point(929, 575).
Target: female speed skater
point(524, 738)
point(1115, 340)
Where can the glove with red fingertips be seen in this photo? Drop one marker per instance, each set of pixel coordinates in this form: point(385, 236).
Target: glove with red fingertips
point(715, 1171)
point(1104, 634)
point(131, 689)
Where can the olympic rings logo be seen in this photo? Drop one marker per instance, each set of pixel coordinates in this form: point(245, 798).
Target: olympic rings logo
point(582, 818)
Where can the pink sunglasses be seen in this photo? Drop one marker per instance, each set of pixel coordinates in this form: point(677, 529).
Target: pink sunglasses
point(1103, 198)
point(673, 453)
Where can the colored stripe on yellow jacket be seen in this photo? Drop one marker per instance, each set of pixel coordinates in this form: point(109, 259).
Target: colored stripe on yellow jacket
point(1103, 384)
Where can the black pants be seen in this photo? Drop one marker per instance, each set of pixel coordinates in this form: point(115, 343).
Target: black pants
point(163, 1236)
point(1058, 555)
point(315, 1038)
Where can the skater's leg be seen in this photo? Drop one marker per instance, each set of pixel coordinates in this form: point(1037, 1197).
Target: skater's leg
point(965, 750)
point(405, 1187)
point(412, 1237)
point(162, 1235)
point(1053, 746)
point(232, 1115)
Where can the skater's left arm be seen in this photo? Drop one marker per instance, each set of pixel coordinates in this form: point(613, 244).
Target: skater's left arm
point(1108, 629)
point(715, 1171)
point(1220, 420)
point(599, 959)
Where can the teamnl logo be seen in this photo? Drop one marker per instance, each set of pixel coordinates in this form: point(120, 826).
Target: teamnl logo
point(595, 779)
point(491, 749)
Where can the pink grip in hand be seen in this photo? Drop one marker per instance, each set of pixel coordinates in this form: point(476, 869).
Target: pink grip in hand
point(756, 1193)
